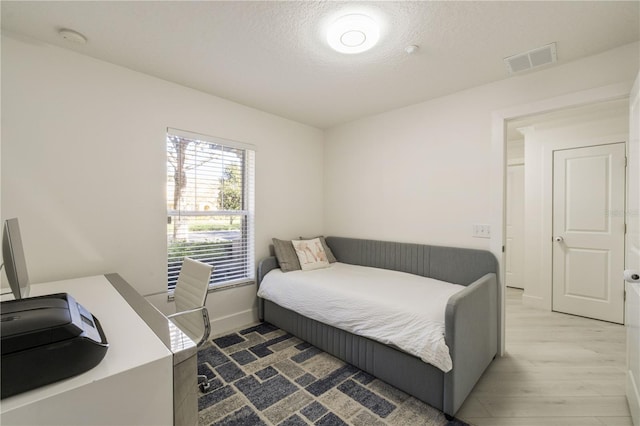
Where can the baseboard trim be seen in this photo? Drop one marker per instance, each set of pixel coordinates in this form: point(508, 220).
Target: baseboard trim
point(230, 323)
point(533, 301)
point(633, 398)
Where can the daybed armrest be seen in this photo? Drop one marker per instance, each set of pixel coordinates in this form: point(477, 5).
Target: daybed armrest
point(471, 333)
point(265, 265)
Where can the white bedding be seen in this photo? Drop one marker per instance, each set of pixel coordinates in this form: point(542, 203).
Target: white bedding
point(391, 307)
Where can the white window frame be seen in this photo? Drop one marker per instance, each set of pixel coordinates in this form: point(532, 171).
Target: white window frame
point(248, 213)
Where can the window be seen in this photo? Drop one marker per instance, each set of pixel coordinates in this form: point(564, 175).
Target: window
point(210, 206)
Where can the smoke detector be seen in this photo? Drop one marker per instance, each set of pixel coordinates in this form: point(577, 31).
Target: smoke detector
point(72, 36)
point(534, 58)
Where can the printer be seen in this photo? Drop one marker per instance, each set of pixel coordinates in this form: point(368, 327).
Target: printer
point(46, 339)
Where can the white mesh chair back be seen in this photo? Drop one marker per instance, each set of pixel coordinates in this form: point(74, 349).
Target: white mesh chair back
point(191, 293)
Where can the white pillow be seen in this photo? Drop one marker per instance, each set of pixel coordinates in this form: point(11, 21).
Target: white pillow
point(311, 254)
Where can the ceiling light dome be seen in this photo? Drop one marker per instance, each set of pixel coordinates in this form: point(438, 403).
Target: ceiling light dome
point(353, 33)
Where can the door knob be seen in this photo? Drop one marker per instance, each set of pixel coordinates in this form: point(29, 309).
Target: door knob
point(558, 239)
point(631, 276)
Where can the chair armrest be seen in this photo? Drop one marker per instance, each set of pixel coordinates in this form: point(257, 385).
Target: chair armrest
point(190, 311)
point(205, 319)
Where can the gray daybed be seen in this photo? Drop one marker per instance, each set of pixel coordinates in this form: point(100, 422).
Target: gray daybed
point(471, 319)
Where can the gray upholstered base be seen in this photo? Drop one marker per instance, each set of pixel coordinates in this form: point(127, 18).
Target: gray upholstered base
point(471, 318)
point(397, 368)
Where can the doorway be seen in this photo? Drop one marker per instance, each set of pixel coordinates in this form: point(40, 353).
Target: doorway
point(544, 135)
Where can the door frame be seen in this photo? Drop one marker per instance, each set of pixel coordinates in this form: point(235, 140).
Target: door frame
point(518, 162)
point(499, 165)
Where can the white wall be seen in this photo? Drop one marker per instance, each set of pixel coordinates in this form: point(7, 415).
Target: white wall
point(607, 125)
point(84, 168)
point(83, 164)
point(422, 173)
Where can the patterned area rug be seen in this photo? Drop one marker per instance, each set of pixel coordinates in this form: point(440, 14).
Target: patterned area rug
point(265, 376)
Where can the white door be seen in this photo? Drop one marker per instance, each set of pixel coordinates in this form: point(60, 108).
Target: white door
point(633, 254)
point(633, 192)
point(514, 253)
point(588, 231)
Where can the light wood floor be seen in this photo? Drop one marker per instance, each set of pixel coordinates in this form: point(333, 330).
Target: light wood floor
point(558, 370)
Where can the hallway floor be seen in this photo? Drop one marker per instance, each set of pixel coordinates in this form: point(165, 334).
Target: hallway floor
point(558, 370)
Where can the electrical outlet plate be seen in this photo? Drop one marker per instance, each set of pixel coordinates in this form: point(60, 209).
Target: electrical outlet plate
point(481, 231)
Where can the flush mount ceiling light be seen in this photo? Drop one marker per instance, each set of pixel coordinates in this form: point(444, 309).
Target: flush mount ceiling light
point(353, 33)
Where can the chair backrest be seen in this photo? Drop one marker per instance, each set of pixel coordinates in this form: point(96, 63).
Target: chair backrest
point(191, 292)
point(193, 284)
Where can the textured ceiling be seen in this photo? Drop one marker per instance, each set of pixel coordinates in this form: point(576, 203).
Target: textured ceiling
point(272, 55)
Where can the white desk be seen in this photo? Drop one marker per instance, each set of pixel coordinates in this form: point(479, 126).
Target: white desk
point(132, 385)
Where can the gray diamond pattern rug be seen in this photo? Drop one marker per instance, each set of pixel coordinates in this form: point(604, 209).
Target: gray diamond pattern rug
point(265, 376)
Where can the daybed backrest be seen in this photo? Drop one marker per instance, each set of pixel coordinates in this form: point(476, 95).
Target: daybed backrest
point(455, 265)
point(412, 258)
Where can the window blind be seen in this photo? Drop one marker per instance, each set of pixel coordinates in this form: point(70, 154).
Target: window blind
point(210, 206)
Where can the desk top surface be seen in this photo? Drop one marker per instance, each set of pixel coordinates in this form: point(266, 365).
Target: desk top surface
point(131, 342)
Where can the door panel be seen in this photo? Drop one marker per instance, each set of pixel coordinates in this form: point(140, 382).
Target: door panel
point(588, 227)
point(586, 270)
point(584, 208)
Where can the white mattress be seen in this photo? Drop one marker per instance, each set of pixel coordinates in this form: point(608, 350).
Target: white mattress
point(392, 307)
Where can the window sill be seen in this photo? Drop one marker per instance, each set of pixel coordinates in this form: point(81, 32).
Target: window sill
point(220, 287)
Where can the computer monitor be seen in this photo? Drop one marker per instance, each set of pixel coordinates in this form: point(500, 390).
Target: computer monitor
point(15, 264)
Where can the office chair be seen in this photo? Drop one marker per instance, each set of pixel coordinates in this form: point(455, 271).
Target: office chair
point(190, 296)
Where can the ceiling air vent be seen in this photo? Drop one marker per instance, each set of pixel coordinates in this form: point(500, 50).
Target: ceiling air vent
point(532, 59)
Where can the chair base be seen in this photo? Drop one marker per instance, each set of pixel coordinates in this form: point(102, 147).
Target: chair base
point(203, 383)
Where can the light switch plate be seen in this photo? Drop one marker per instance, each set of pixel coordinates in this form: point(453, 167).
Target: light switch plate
point(481, 231)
